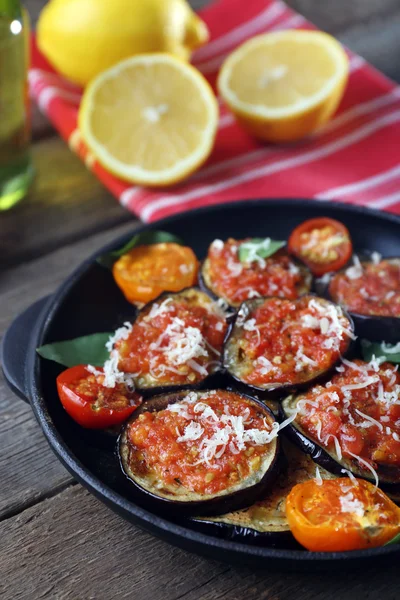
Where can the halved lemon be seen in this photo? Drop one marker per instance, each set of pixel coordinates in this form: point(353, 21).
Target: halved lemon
point(282, 86)
point(150, 119)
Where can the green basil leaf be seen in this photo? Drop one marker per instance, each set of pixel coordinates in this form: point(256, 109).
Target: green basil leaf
point(395, 540)
point(381, 350)
point(257, 248)
point(85, 350)
point(146, 238)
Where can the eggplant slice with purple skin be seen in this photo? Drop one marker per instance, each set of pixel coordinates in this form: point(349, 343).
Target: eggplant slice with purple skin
point(328, 459)
point(265, 522)
point(375, 328)
point(208, 286)
point(148, 385)
point(179, 500)
point(238, 365)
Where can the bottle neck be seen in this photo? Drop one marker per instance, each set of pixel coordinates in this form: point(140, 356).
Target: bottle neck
point(11, 9)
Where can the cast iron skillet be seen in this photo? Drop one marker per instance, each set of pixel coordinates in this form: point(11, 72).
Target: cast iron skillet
point(89, 301)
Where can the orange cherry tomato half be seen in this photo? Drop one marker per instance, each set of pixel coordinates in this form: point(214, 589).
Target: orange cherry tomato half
point(338, 515)
point(146, 271)
point(90, 403)
point(323, 244)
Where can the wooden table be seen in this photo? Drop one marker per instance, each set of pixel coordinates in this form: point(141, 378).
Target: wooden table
point(57, 541)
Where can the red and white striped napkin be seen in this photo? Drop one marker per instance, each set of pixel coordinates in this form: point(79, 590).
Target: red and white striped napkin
point(354, 158)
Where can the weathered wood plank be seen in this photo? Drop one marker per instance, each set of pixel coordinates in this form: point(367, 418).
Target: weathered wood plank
point(28, 468)
point(119, 561)
point(100, 556)
point(378, 42)
point(340, 15)
point(66, 203)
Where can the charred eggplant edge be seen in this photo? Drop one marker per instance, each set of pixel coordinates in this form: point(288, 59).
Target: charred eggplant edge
point(326, 459)
point(212, 506)
point(273, 391)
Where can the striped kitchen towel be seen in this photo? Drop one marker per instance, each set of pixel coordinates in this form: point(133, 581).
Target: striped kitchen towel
point(354, 158)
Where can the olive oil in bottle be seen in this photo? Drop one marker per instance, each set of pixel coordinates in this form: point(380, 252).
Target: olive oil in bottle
point(15, 164)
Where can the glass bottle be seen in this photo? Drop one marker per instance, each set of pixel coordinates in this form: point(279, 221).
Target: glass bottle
point(15, 163)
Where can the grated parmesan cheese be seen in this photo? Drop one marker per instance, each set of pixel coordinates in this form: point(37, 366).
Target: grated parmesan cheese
point(350, 476)
point(228, 430)
point(122, 333)
point(217, 245)
point(302, 360)
point(112, 374)
point(266, 365)
point(184, 269)
point(367, 465)
point(158, 309)
point(234, 267)
point(376, 258)
point(356, 271)
point(192, 432)
point(349, 504)
point(318, 478)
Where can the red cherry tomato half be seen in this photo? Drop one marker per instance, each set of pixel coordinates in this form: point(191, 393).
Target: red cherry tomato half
point(90, 403)
point(323, 244)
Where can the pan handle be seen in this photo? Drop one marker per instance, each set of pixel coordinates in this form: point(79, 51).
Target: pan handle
point(14, 347)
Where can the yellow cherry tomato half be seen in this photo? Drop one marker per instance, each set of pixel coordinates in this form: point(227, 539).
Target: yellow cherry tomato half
point(145, 272)
point(335, 515)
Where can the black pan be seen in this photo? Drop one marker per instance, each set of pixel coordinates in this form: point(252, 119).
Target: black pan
point(89, 301)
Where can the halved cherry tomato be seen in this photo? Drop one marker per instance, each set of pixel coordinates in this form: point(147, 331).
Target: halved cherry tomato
point(323, 244)
point(90, 403)
point(146, 271)
point(334, 515)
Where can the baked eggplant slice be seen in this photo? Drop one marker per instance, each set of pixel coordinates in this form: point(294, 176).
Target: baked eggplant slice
point(201, 452)
point(370, 292)
point(228, 278)
point(279, 344)
point(265, 521)
point(175, 342)
point(351, 422)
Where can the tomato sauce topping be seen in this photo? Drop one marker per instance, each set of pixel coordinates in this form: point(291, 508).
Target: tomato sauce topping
point(287, 341)
point(208, 442)
point(91, 388)
point(369, 288)
point(357, 412)
point(176, 341)
point(236, 282)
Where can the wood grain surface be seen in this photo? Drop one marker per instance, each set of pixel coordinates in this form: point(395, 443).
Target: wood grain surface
point(57, 541)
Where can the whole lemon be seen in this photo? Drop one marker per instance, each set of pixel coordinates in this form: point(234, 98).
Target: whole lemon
point(81, 38)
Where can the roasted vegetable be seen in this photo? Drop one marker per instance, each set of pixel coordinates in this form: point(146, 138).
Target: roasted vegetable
point(90, 403)
point(370, 292)
point(234, 280)
point(145, 272)
point(276, 344)
point(265, 521)
point(201, 452)
point(352, 423)
point(175, 342)
point(323, 244)
point(340, 515)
